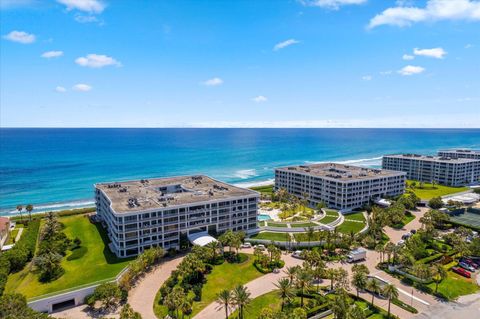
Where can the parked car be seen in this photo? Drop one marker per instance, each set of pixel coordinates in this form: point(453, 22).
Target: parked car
point(406, 236)
point(413, 231)
point(400, 242)
point(260, 246)
point(469, 262)
point(297, 254)
point(466, 266)
point(246, 245)
point(462, 272)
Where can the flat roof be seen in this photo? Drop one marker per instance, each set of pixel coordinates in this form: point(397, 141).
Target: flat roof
point(434, 158)
point(341, 172)
point(146, 194)
point(461, 150)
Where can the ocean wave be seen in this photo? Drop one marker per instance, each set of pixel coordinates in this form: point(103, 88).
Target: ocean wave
point(52, 207)
point(245, 173)
point(373, 161)
point(254, 184)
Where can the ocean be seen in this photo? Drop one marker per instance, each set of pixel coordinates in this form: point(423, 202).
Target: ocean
point(56, 168)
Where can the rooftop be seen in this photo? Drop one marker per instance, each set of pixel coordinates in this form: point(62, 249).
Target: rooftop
point(145, 194)
point(341, 172)
point(461, 150)
point(434, 158)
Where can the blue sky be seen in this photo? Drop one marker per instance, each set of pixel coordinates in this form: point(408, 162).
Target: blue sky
point(318, 63)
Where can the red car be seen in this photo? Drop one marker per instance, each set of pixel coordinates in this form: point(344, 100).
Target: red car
point(462, 272)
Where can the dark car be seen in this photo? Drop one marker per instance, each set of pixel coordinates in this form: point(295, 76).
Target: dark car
point(413, 231)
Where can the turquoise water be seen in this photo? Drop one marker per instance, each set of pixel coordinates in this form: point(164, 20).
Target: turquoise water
point(56, 168)
point(262, 217)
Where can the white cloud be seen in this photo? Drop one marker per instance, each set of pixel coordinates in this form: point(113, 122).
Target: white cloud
point(213, 82)
point(97, 61)
point(331, 4)
point(411, 70)
point(285, 44)
point(81, 87)
point(52, 54)
point(60, 89)
point(367, 77)
point(259, 99)
point(435, 10)
point(437, 53)
point(408, 57)
point(85, 18)
point(20, 37)
point(91, 6)
point(388, 72)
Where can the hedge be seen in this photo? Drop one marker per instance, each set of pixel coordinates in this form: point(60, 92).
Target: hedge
point(60, 213)
point(17, 257)
point(403, 305)
point(430, 259)
point(315, 310)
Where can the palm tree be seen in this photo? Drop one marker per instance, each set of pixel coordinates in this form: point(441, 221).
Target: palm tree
point(318, 273)
point(214, 246)
point(391, 292)
point(225, 299)
point(285, 290)
point(331, 274)
point(29, 209)
point(359, 281)
point(380, 249)
point(374, 287)
point(291, 272)
point(310, 233)
point(355, 312)
point(241, 298)
point(20, 208)
point(438, 274)
point(304, 277)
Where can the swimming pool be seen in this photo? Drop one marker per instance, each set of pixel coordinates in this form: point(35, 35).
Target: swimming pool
point(262, 217)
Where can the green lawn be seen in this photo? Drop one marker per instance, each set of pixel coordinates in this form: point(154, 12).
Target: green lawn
point(269, 300)
point(97, 264)
point(267, 190)
point(328, 219)
point(455, 286)
point(428, 192)
point(356, 216)
point(224, 276)
point(13, 234)
point(303, 225)
point(270, 236)
point(277, 224)
point(347, 227)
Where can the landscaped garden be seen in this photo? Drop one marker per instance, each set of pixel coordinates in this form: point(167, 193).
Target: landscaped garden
point(91, 261)
point(206, 271)
point(428, 191)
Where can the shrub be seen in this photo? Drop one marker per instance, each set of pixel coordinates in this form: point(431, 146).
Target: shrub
point(77, 253)
point(430, 259)
point(403, 305)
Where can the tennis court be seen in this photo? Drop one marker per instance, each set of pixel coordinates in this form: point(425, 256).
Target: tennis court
point(470, 217)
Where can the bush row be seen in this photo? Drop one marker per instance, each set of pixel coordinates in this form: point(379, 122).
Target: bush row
point(16, 258)
point(403, 305)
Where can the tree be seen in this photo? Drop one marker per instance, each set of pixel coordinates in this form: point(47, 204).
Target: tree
point(298, 313)
point(341, 282)
point(435, 203)
point(285, 290)
point(14, 306)
point(128, 313)
point(20, 209)
point(391, 292)
point(174, 300)
point(304, 279)
point(291, 272)
point(49, 266)
point(29, 209)
point(373, 287)
point(355, 312)
point(422, 271)
point(267, 313)
point(359, 281)
point(225, 299)
point(214, 246)
point(438, 274)
point(340, 304)
point(241, 298)
point(108, 294)
point(331, 274)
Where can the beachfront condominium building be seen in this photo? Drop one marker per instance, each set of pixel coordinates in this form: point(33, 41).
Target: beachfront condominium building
point(339, 186)
point(460, 153)
point(441, 170)
point(157, 212)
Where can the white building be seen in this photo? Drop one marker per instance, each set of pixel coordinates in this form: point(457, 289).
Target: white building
point(157, 212)
point(339, 186)
point(441, 170)
point(460, 153)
